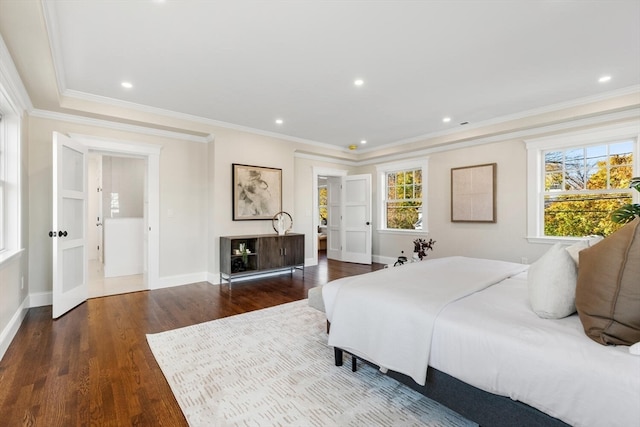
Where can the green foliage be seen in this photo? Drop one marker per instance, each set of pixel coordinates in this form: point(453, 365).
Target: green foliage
point(630, 211)
point(404, 192)
point(584, 212)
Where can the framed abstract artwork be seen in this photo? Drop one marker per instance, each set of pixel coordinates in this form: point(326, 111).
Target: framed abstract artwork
point(257, 192)
point(473, 193)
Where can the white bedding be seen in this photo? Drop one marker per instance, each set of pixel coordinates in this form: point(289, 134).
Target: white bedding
point(494, 341)
point(387, 317)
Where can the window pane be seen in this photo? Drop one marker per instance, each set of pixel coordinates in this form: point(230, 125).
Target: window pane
point(553, 181)
point(402, 215)
point(620, 176)
point(391, 193)
point(582, 214)
point(418, 176)
point(391, 179)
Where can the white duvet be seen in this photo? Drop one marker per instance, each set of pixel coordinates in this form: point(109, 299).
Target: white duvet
point(492, 340)
point(387, 317)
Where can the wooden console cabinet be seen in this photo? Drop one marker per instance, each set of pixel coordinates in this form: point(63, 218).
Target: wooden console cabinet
point(265, 253)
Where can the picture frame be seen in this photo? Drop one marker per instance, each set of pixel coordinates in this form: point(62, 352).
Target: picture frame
point(257, 192)
point(473, 193)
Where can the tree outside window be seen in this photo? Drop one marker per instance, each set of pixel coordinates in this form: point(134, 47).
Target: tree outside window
point(403, 201)
point(322, 205)
point(583, 186)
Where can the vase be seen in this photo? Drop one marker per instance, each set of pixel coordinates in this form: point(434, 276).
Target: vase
point(415, 257)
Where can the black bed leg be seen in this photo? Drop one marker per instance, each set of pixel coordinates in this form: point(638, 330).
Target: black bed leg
point(338, 355)
point(353, 363)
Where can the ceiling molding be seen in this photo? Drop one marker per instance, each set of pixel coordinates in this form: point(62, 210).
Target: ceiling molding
point(70, 118)
point(51, 25)
point(516, 116)
point(10, 81)
point(104, 100)
point(559, 128)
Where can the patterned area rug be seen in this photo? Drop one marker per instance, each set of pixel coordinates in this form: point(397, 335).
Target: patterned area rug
point(273, 367)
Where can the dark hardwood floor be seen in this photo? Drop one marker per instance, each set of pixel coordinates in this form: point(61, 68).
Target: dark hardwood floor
point(93, 367)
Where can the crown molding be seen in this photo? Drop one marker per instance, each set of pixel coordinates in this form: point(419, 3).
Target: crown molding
point(70, 118)
point(559, 129)
point(10, 81)
point(630, 90)
point(51, 25)
point(104, 100)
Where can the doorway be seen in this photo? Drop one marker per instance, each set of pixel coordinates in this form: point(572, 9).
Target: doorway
point(149, 154)
point(321, 177)
point(115, 250)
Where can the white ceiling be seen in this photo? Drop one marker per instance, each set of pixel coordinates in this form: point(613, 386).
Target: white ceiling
point(248, 63)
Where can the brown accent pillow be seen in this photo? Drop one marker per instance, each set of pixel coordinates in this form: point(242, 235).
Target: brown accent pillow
point(608, 288)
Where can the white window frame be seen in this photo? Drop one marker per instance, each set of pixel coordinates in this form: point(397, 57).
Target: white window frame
point(381, 171)
point(535, 169)
point(13, 102)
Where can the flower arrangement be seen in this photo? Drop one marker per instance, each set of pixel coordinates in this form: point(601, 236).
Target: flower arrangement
point(421, 246)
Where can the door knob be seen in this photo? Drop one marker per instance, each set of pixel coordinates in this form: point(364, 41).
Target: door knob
point(52, 234)
point(368, 223)
point(62, 233)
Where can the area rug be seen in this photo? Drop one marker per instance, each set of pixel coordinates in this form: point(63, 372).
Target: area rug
point(273, 367)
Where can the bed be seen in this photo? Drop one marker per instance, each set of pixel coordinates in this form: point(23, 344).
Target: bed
point(488, 355)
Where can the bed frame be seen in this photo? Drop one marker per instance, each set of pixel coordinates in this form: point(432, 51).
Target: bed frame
point(486, 409)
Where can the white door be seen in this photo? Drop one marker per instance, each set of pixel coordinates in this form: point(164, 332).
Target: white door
point(334, 220)
point(69, 224)
point(357, 219)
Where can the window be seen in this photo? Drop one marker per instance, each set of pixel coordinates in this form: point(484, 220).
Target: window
point(577, 181)
point(402, 196)
point(322, 204)
point(13, 103)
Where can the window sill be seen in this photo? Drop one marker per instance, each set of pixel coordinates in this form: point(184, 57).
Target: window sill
point(7, 256)
point(551, 240)
point(403, 232)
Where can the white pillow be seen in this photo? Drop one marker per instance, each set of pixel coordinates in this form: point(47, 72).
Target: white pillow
point(575, 249)
point(552, 284)
point(635, 349)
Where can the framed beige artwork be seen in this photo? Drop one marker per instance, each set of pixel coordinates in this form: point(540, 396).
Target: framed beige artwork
point(473, 193)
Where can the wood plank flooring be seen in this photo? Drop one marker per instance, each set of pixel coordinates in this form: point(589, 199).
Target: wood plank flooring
point(93, 367)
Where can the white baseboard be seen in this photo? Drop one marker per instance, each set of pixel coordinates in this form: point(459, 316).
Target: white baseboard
point(182, 279)
point(12, 327)
point(40, 299)
point(384, 259)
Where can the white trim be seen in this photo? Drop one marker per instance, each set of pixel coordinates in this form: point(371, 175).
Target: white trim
point(516, 116)
point(535, 147)
point(151, 153)
point(11, 83)
point(7, 256)
point(40, 299)
point(567, 126)
point(107, 124)
point(51, 25)
point(317, 172)
point(381, 171)
point(180, 279)
point(325, 158)
point(9, 332)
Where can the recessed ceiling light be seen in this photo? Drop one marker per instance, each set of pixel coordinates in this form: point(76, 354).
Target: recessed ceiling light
point(126, 85)
point(604, 79)
point(358, 82)
point(279, 121)
point(364, 141)
point(446, 119)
